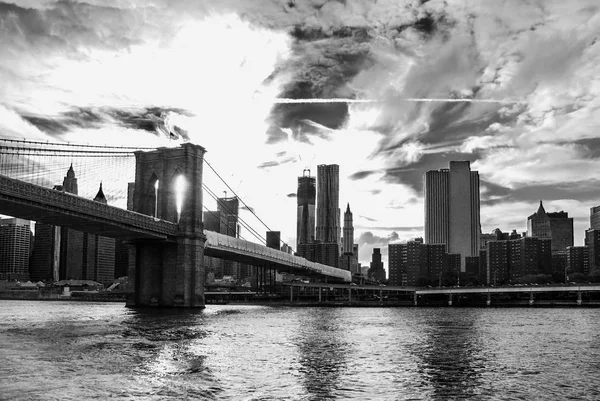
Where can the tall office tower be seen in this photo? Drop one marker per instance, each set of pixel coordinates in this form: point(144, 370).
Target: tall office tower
point(15, 246)
point(98, 259)
point(229, 207)
point(592, 241)
point(328, 204)
point(395, 255)
point(376, 271)
point(452, 209)
point(557, 226)
point(348, 231)
point(595, 218)
point(305, 222)
point(578, 259)
point(71, 241)
point(46, 252)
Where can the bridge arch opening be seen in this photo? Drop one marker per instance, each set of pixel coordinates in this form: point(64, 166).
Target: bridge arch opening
point(179, 188)
point(150, 204)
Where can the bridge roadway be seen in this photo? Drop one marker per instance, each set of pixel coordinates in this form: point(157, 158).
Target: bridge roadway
point(37, 203)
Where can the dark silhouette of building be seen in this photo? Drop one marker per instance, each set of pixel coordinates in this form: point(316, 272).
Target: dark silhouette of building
point(305, 221)
point(328, 228)
point(349, 258)
point(595, 218)
point(98, 259)
point(510, 260)
point(578, 259)
point(327, 253)
point(556, 226)
point(452, 209)
point(592, 241)
point(15, 249)
point(274, 239)
point(376, 271)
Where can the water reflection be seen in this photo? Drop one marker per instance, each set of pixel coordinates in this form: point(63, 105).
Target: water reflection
point(170, 362)
point(450, 354)
point(322, 351)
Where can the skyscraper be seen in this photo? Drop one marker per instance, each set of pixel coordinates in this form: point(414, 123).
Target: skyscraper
point(305, 223)
point(328, 204)
point(15, 246)
point(376, 271)
point(348, 231)
point(595, 218)
point(452, 209)
point(556, 226)
point(349, 258)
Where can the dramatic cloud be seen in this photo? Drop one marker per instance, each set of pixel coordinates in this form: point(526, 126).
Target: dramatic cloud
point(210, 72)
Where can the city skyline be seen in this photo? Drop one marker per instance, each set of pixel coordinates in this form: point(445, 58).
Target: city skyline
point(213, 73)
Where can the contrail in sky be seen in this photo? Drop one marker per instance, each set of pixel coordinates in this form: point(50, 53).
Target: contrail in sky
point(408, 99)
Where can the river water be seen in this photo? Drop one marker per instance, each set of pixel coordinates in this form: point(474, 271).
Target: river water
point(73, 351)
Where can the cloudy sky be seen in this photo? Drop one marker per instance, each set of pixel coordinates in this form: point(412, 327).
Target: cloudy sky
point(119, 72)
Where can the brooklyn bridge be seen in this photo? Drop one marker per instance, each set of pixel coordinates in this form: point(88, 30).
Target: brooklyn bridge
point(164, 230)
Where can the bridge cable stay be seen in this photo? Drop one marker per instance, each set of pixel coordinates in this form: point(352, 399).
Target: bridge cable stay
point(251, 210)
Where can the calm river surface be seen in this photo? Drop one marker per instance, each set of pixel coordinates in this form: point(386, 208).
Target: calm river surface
point(74, 351)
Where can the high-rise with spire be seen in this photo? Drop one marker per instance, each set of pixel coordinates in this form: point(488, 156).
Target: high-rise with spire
point(349, 257)
point(557, 226)
point(348, 231)
point(328, 204)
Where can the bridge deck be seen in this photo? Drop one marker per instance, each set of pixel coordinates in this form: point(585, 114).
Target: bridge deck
point(220, 245)
point(45, 205)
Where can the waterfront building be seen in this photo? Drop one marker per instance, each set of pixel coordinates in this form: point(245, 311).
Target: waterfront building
point(452, 209)
point(577, 259)
point(592, 241)
point(497, 262)
point(557, 226)
point(328, 228)
point(376, 270)
point(394, 264)
point(305, 221)
point(595, 218)
point(510, 260)
point(15, 249)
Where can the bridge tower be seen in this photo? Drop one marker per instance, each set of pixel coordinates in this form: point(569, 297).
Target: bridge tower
point(168, 186)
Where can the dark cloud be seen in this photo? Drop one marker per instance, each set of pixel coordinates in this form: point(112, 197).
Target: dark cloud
point(249, 208)
point(151, 119)
point(274, 163)
point(359, 175)
point(411, 174)
point(324, 63)
point(368, 238)
point(586, 191)
point(66, 25)
point(366, 218)
point(292, 195)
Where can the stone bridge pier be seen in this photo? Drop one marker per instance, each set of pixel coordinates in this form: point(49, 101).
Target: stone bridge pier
point(168, 186)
